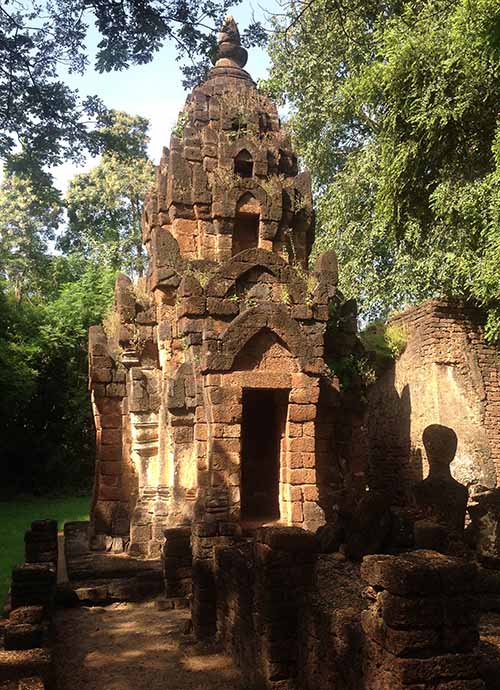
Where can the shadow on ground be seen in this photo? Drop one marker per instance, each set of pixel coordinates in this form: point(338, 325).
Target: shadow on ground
point(136, 647)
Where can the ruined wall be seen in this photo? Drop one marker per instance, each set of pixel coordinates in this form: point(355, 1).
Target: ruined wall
point(291, 619)
point(447, 375)
point(114, 482)
point(331, 637)
point(228, 310)
point(421, 626)
point(261, 587)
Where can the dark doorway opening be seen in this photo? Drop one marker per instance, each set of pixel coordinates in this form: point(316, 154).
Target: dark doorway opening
point(262, 431)
point(246, 232)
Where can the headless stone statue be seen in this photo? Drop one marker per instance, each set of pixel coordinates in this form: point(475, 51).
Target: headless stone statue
point(440, 498)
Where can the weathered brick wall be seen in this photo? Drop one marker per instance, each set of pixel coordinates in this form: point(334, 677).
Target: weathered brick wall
point(293, 620)
point(113, 483)
point(447, 375)
point(25, 650)
point(421, 627)
point(205, 539)
point(331, 638)
point(261, 588)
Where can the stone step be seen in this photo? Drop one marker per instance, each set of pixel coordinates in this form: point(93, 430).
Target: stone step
point(27, 664)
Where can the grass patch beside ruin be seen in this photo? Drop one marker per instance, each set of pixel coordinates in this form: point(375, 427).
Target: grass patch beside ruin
point(16, 517)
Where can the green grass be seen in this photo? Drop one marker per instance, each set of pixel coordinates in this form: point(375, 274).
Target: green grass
point(15, 519)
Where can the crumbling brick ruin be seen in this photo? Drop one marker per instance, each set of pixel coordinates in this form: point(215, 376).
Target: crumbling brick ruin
point(327, 537)
point(447, 374)
point(211, 406)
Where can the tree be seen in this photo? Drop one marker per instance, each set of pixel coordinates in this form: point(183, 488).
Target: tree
point(105, 204)
point(46, 433)
point(44, 119)
point(19, 353)
point(49, 299)
point(394, 107)
point(29, 216)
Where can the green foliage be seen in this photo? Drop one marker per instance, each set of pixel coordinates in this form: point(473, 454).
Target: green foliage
point(79, 304)
point(29, 216)
point(19, 352)
point(310, 282)
point(352, 370)
point(47, 434)
point(48, 302)
point(386, 341)
point(105, 204)
point(394, 108)
point(180, 125)
point(285, 295)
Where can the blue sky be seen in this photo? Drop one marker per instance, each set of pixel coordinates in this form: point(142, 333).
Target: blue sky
point(155, 90)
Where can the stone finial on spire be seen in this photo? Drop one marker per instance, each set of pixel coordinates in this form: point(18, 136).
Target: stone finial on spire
point(230, 52)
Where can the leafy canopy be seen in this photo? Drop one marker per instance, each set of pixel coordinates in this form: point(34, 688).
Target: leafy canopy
point(49, 299)
point(42, 120)
point(29, 217)
point(395, 108)
point(105, 205)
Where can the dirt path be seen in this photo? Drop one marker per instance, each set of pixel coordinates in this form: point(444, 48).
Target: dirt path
point(135, 647)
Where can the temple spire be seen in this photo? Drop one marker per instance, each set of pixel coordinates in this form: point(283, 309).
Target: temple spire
point(230, 52)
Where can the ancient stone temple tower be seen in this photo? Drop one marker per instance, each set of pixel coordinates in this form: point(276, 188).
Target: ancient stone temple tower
point(205, 382)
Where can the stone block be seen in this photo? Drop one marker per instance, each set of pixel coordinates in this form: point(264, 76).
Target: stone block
point(111, 437)
point(303, 396)
point(110, 421)
point(110, 468)
point(110, 453)
point(222, 307)
point(301, 413)
point(191, 306)
point(408, 575)
point(116, 390)
point(109, 406)
point(183, 434)
point(205, 529)
point(26, 614)
point(140, 533)
point(34, 573)
point(22, 636)
point(295, 461)
point(302, 444)
point(302, 476)
point(296, 512)
point(290, 539)
point(94, 594)
point(411, 612)
point(228, 413)
point(313, 515)
point(446, 667)
point(294, 429)
point(24, 664)
point(402, 643)
point(110, 493)
point(310, 493)
point(101, 375)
